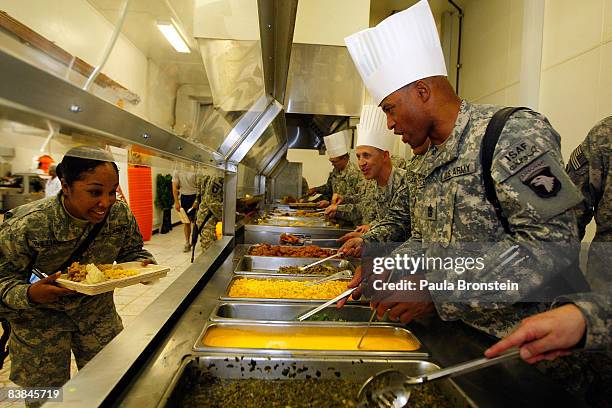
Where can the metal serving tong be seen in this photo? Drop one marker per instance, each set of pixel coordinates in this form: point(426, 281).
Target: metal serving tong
point(337, 254)
point(391, 388)
point(338, 275)
point(324, 305)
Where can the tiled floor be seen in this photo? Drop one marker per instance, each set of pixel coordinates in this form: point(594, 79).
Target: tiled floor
point(131, 301)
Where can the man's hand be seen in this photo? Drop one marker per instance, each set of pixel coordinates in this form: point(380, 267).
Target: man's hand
point(354, 283)
point(330, 212)
point(405, 312)
point(337, 199)
point(362, 229)
point(323, 204)
point(352, 247)
point(544, 336)
point(177, 206)
point(45, 290)
point(349, 235)
point(311, 191)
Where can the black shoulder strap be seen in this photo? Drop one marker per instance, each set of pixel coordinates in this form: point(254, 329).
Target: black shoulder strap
point(487, 148)
point(76, 255)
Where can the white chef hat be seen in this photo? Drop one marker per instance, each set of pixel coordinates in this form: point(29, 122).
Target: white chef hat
point(372, 129)
point(401, 49)
point(336, 144)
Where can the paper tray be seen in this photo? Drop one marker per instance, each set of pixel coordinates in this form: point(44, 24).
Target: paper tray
point(146, 274)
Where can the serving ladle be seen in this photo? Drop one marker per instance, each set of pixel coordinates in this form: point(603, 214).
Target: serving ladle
point(391, 388)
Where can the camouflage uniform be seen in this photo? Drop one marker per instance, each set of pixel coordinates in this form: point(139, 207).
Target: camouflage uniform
point(44, 334)
point(589, 169)
point(415, 185)
point(210, 211)
point(341, 182)
point(398, 162)
point(373, 202)
point(596, 309)
point(451, 209)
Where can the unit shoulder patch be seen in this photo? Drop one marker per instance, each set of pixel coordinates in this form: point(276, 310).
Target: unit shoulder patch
point(539, 178)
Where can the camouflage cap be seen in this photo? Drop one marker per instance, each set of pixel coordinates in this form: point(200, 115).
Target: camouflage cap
point(90, 152)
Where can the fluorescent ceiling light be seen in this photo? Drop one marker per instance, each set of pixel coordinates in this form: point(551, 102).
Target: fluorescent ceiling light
point(173, 36)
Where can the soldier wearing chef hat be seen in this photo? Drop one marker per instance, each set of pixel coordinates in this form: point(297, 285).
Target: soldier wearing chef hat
point(384, 185)
point(402, 65)
point(345, 176)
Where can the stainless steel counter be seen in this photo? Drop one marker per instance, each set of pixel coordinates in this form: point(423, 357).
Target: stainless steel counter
point(139, 367)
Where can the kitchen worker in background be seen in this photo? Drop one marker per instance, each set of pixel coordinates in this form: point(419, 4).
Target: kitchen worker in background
point(589, 169)
point(345, 176)
point(383, 186)
point(48, 321)
point(54, 184)
point(402, 65)
point(185, 184)
point(210, 211)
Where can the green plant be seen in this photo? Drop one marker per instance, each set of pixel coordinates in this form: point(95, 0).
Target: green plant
point(164, 198)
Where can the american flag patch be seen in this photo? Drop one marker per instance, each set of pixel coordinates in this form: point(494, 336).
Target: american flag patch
point(577, 159)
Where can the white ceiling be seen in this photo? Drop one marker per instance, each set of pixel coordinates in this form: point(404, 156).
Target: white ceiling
point(141, 29)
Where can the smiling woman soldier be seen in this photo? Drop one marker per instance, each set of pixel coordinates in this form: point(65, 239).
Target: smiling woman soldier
point(83, 223)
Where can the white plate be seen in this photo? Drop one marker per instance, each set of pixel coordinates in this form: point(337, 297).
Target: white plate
point(145, 274)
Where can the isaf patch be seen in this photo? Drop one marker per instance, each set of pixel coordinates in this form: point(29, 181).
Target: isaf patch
point(577, 159)
point(540, 179)
point(519, 155)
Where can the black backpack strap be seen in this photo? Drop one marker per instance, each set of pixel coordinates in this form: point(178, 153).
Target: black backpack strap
point(487, 149)
point(76, 255)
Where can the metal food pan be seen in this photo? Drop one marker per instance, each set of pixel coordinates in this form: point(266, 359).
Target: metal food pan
point(248, 253)
point(296, 217)
point(288, 221)
point(297, 328)
point(226, 296)
point(271, 264)
point(238, 367)
point(274, 312)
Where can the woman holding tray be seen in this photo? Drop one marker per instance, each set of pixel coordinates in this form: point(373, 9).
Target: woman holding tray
point(83, 223)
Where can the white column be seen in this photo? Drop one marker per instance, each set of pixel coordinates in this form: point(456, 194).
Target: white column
point(531, 54)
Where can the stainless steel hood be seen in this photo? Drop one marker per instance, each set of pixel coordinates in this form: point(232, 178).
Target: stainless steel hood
point(323, 80)
point(307, 131)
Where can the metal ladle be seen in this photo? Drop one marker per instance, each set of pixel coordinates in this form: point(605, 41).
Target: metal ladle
point(391, 388)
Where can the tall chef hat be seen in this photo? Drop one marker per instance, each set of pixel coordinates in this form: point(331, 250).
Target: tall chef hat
point(401, 49)
point(372, 129)
point(336, 144)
